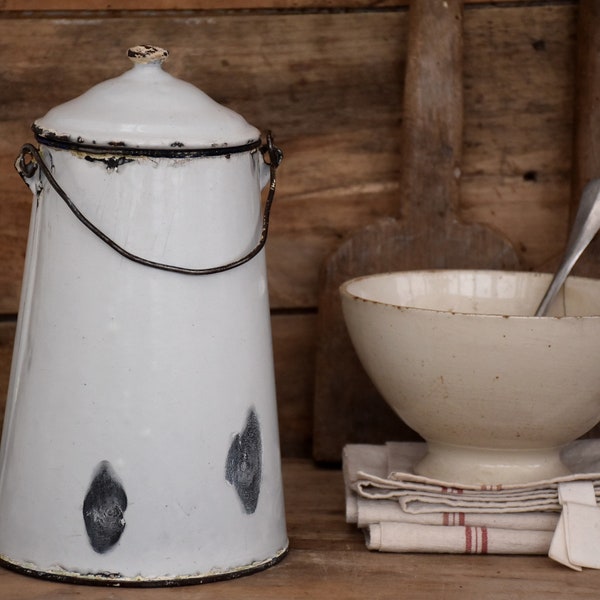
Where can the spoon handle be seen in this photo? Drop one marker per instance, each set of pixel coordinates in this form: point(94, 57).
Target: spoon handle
point(585, 227)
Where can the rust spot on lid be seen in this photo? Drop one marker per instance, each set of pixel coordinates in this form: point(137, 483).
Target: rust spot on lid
point(143, 55)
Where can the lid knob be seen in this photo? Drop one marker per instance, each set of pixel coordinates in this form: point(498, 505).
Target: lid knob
point(143, 55)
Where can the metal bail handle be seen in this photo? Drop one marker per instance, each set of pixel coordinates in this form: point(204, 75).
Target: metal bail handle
point(30, 159)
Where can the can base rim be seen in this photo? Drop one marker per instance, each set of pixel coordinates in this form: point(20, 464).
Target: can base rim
point(114, 580)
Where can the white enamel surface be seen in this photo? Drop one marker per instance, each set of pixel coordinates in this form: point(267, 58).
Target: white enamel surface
point(154, 372)
point(149, 108)
point(494, 391)
point(195, 213)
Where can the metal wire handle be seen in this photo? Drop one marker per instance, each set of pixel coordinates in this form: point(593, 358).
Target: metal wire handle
point(30, 159)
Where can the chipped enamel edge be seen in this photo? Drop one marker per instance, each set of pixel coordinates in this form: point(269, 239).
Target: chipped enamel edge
point(116, 580)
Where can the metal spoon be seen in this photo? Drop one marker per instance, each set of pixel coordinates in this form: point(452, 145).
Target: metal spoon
point(585, 227)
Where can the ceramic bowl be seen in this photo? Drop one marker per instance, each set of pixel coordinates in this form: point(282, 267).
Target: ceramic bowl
point(495, 392)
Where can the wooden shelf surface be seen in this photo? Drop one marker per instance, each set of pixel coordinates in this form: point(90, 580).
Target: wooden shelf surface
point(328, 559)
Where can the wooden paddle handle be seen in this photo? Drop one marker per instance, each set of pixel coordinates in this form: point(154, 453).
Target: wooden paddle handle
point(586, 148)
point(432, 129)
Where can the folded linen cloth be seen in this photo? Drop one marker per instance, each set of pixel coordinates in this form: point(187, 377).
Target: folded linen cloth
point(402, 537)
point(386, 472)
point(363, 512)
point(404, 512)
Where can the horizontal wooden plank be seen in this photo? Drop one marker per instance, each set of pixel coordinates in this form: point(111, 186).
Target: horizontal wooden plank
point(330, 86)
point(140, 5)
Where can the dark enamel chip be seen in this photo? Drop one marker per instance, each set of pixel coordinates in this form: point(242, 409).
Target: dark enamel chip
point(244, 463)
point(103, 509)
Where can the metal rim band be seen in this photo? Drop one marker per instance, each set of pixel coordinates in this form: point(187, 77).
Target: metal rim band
point(175, 151)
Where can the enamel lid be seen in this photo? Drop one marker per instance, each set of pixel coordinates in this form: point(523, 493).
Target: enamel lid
point(145, 107)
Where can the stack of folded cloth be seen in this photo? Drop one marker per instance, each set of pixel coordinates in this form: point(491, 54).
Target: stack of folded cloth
point(400, 511)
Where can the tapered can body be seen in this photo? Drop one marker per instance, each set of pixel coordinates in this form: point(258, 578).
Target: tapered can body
point(140, 443)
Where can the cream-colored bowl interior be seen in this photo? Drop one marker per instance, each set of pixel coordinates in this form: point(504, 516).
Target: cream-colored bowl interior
point(495, 391)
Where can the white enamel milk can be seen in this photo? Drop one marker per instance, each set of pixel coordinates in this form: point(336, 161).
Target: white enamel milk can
point(140, 442)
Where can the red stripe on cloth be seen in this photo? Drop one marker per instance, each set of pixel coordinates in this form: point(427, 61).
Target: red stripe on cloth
point(468, 540)
point(491, 487)
point(461, 518)
point(476, 540)
point(449, 490)
point(446, 519)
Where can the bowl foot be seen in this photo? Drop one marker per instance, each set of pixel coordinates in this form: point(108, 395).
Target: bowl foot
point(472, 465)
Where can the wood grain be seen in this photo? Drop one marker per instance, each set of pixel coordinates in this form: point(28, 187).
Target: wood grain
point(330, 87)
point(111, 5)
point(329, 84)
point(280, 72)
point(517, 167)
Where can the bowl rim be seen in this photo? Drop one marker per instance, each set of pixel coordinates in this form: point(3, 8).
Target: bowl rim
point(344, 292)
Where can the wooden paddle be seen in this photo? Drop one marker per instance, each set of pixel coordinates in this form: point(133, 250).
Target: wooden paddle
point(428, 236)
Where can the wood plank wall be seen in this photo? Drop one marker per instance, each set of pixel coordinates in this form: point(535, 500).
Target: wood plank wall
point(326, 76)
